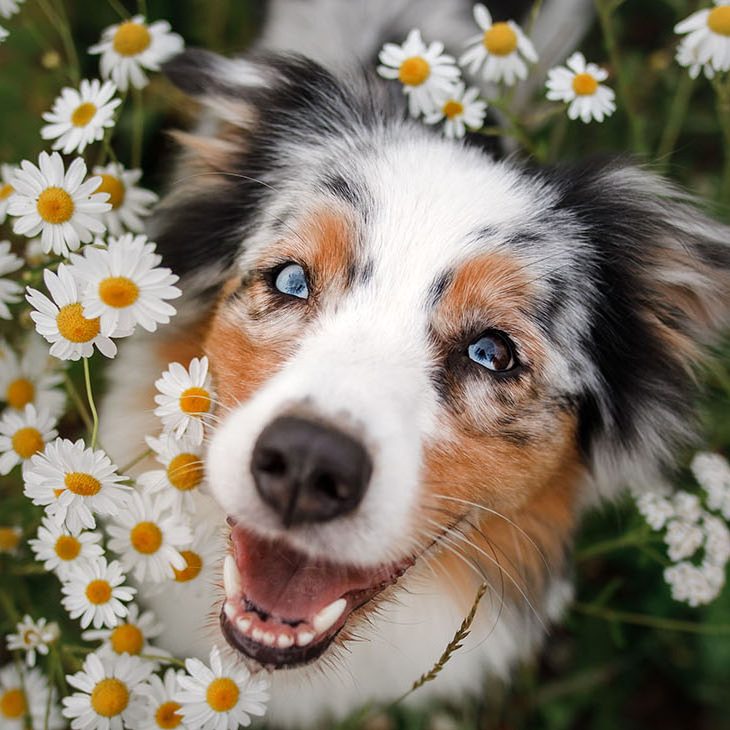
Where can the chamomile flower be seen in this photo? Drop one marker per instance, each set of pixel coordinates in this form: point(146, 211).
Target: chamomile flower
point(707, 42)
point(74, 483)
point(6, 188)
point(688, 57)
point(183, 473)
point(579, 84)
point(712, 472)
point(107, 698)
point(221, 696)
point(131, 636)
point(27, 380)
point(27, 694)
point(162, 709)
point(130, 203)
point(8, 8)
point(95, 593)
point(60, 550)
point(61, 319)
point(10, 537)
point(33, 637)
point(80, 117)
point(125, 286)
point(10, 291)
point(23, 435)
point(129, 47)
point(426, 72)
point(501, 48)
point(147, 537)
point(59, 205)
point(461, 110)
point(202, 561)
point(185, 398)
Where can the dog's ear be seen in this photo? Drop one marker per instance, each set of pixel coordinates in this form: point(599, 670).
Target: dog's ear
point(662, 272)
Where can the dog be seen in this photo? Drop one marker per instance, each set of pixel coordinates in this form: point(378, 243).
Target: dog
point(430, 361)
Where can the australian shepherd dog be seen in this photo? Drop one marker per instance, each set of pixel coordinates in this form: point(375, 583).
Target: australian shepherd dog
point(429, 359)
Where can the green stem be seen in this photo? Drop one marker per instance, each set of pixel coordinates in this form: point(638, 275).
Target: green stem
point(653, 622)
point(164, 659)
point(138, 128)
point(135, 461)
point(9, 608)
point(92, 405)
point(142, 7)
point(630, 539)
point(78, 402)
point(675, 120)
point(119, 9)
point(722, 91)
point(59, 20)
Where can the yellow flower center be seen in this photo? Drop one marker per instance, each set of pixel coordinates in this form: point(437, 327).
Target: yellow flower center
point(718, 21)
point(127, 639)
point(30, 636)
point(6, 191)
point(83, 114)
point(19, 393)
point(195, 400)
point(12, 704)
point(146, 537)
point(67, 547)
point(9, 539)
point(114, 187)
point(131, 38)
point(222, 694)
point(55, 205)
point(167, 715)
point(98, 592)
point(453, 108)
point(194, 564)
point(74, 326)
point(82, 484)
point(118, 291)
point(110, 697)
point(584, 84)
point(414, 71)
point(500, 39)
point(185, 472)
point(27, 441)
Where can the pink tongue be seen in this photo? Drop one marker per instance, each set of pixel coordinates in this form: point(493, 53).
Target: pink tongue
point(287, 584)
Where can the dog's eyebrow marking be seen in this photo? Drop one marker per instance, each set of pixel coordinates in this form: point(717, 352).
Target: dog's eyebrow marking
point(346, 190)
point(439, 286)
point(506, 236)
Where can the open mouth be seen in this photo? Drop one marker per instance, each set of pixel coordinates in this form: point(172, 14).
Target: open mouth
point(284, 608)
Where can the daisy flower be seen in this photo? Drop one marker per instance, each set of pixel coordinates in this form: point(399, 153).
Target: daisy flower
point(57, 204)
point(60, 550)
point(79, 118)
point(147, 537)
point(10, 539)
point(131, 636)
point(202, 560)
point(688, 58)
point(162, 709)
point(107, 698)
point(73, 483)
point(462, 109)
point(94, 593)
point(24, 434)
point(27, 380)
point(6, 189)
point(27, 695)
point(33, 636)
point(426, 72)
point(183, 473)
point(10, 291)
point(221, 696)
point(125, 286)
point(708, 38)
point(501, 48)
point(61, 319)
point(129, 47)
point(580, 85)
point(8, 8)
point(129, 203)
point(185, 398)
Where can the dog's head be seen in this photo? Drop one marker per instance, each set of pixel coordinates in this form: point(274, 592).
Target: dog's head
point(420, 353)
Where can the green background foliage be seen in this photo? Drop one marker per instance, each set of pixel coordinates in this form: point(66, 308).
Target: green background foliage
point(627, 656)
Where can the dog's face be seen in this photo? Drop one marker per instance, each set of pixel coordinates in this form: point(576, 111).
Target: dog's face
point(420, 354)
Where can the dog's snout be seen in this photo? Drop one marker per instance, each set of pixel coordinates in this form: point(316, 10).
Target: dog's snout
point(308, 472)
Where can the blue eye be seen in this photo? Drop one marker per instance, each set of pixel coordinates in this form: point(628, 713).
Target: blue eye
point(493, 351)
point(292, 280)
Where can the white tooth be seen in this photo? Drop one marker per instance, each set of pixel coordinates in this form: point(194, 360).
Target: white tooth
point(231, 577)
point(285, 641)
point(304, 638)
point(269, 638)
point(327, 617)
point(257, 634)
point(230, 610)
point(243, 624)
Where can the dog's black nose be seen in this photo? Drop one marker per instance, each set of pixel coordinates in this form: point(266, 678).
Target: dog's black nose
point(308, 472)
